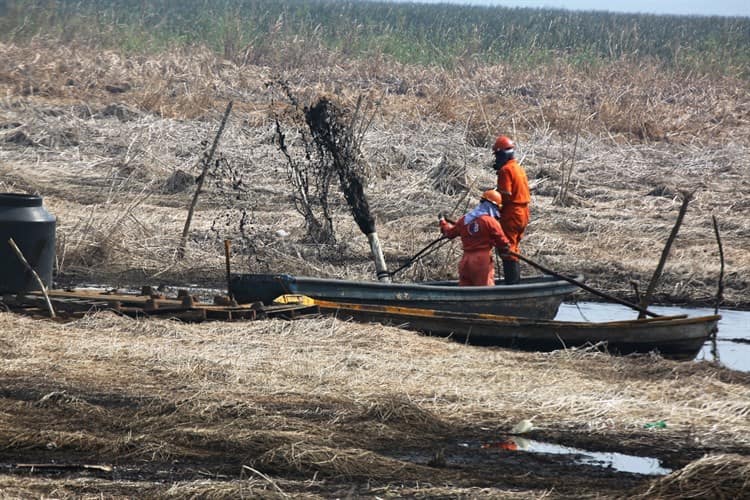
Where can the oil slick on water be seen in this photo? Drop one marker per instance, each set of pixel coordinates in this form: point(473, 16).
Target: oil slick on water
point(617, 461)
point(732, 343)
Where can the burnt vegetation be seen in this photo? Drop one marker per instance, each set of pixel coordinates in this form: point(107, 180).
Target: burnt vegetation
point(384, 112)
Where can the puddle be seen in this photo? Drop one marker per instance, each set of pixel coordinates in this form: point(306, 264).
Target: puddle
point(617, 461)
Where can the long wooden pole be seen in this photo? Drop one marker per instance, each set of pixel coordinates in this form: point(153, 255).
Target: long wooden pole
point(720, 286)
point(584, 286)
point(206, 164)
point(39, 281)
point(665, 253)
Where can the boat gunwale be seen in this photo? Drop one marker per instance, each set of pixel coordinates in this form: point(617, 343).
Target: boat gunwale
point(551, 283)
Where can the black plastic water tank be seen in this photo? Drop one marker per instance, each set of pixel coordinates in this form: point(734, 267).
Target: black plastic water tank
point(23, 218)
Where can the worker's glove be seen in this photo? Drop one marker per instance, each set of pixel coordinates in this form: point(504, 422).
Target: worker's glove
point(504, 250)
point(441, 217)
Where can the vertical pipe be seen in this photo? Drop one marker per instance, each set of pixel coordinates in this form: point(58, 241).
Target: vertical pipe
point(377, 253)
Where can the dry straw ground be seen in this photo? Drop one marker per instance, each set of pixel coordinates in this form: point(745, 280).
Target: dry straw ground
point(325, 408)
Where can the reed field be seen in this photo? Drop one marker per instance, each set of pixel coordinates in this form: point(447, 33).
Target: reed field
point(446, 35)
point(107, 109)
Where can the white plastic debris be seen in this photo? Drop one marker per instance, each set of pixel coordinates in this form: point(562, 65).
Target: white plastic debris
point(522, 427)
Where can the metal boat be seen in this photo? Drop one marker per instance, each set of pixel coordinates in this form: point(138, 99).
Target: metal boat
point(676, 337)
point(535, 297)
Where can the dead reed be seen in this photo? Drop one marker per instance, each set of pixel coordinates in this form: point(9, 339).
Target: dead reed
point(105, 139)
point(715, 476)
point(324, 408)
point(325, 399)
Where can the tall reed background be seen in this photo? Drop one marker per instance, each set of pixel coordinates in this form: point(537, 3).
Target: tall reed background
point(257, 31)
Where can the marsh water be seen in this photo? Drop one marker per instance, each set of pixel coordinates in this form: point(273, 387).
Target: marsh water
point(732, 347)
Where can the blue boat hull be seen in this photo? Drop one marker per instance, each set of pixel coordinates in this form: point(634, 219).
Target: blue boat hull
point(538, 297)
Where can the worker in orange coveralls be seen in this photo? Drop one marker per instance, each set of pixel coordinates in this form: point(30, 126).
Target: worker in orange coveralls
point(514, 212)
point(480, 231)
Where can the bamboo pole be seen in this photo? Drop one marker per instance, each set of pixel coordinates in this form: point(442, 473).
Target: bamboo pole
point(422, 253)
point(584, 286)
point(39, 281)
point(686, 197)
point(206, 164)
point(720, 286)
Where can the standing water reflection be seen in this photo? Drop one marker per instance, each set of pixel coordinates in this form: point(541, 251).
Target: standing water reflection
point(732, 343)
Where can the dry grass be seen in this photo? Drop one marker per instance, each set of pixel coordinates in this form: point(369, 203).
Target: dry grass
point(328, 399)
point(321, 408)
point(105, 163)
point(713, 476)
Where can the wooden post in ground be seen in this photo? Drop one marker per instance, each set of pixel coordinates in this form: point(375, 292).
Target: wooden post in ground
point(686, 197)
point(720, 287)
point(227, 259)
point(206, 164)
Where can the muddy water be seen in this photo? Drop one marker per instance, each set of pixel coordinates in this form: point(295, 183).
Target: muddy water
point(732, 343)
point(617, 461)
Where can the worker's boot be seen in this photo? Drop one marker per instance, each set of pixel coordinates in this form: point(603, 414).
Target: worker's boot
point(512, 272)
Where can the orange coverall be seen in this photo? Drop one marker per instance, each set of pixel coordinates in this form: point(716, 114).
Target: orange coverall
point(514, 214)
point(477, 267)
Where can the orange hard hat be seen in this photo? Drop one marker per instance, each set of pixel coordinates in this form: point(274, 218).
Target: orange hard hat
point(493, 197)
point(502, 143)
